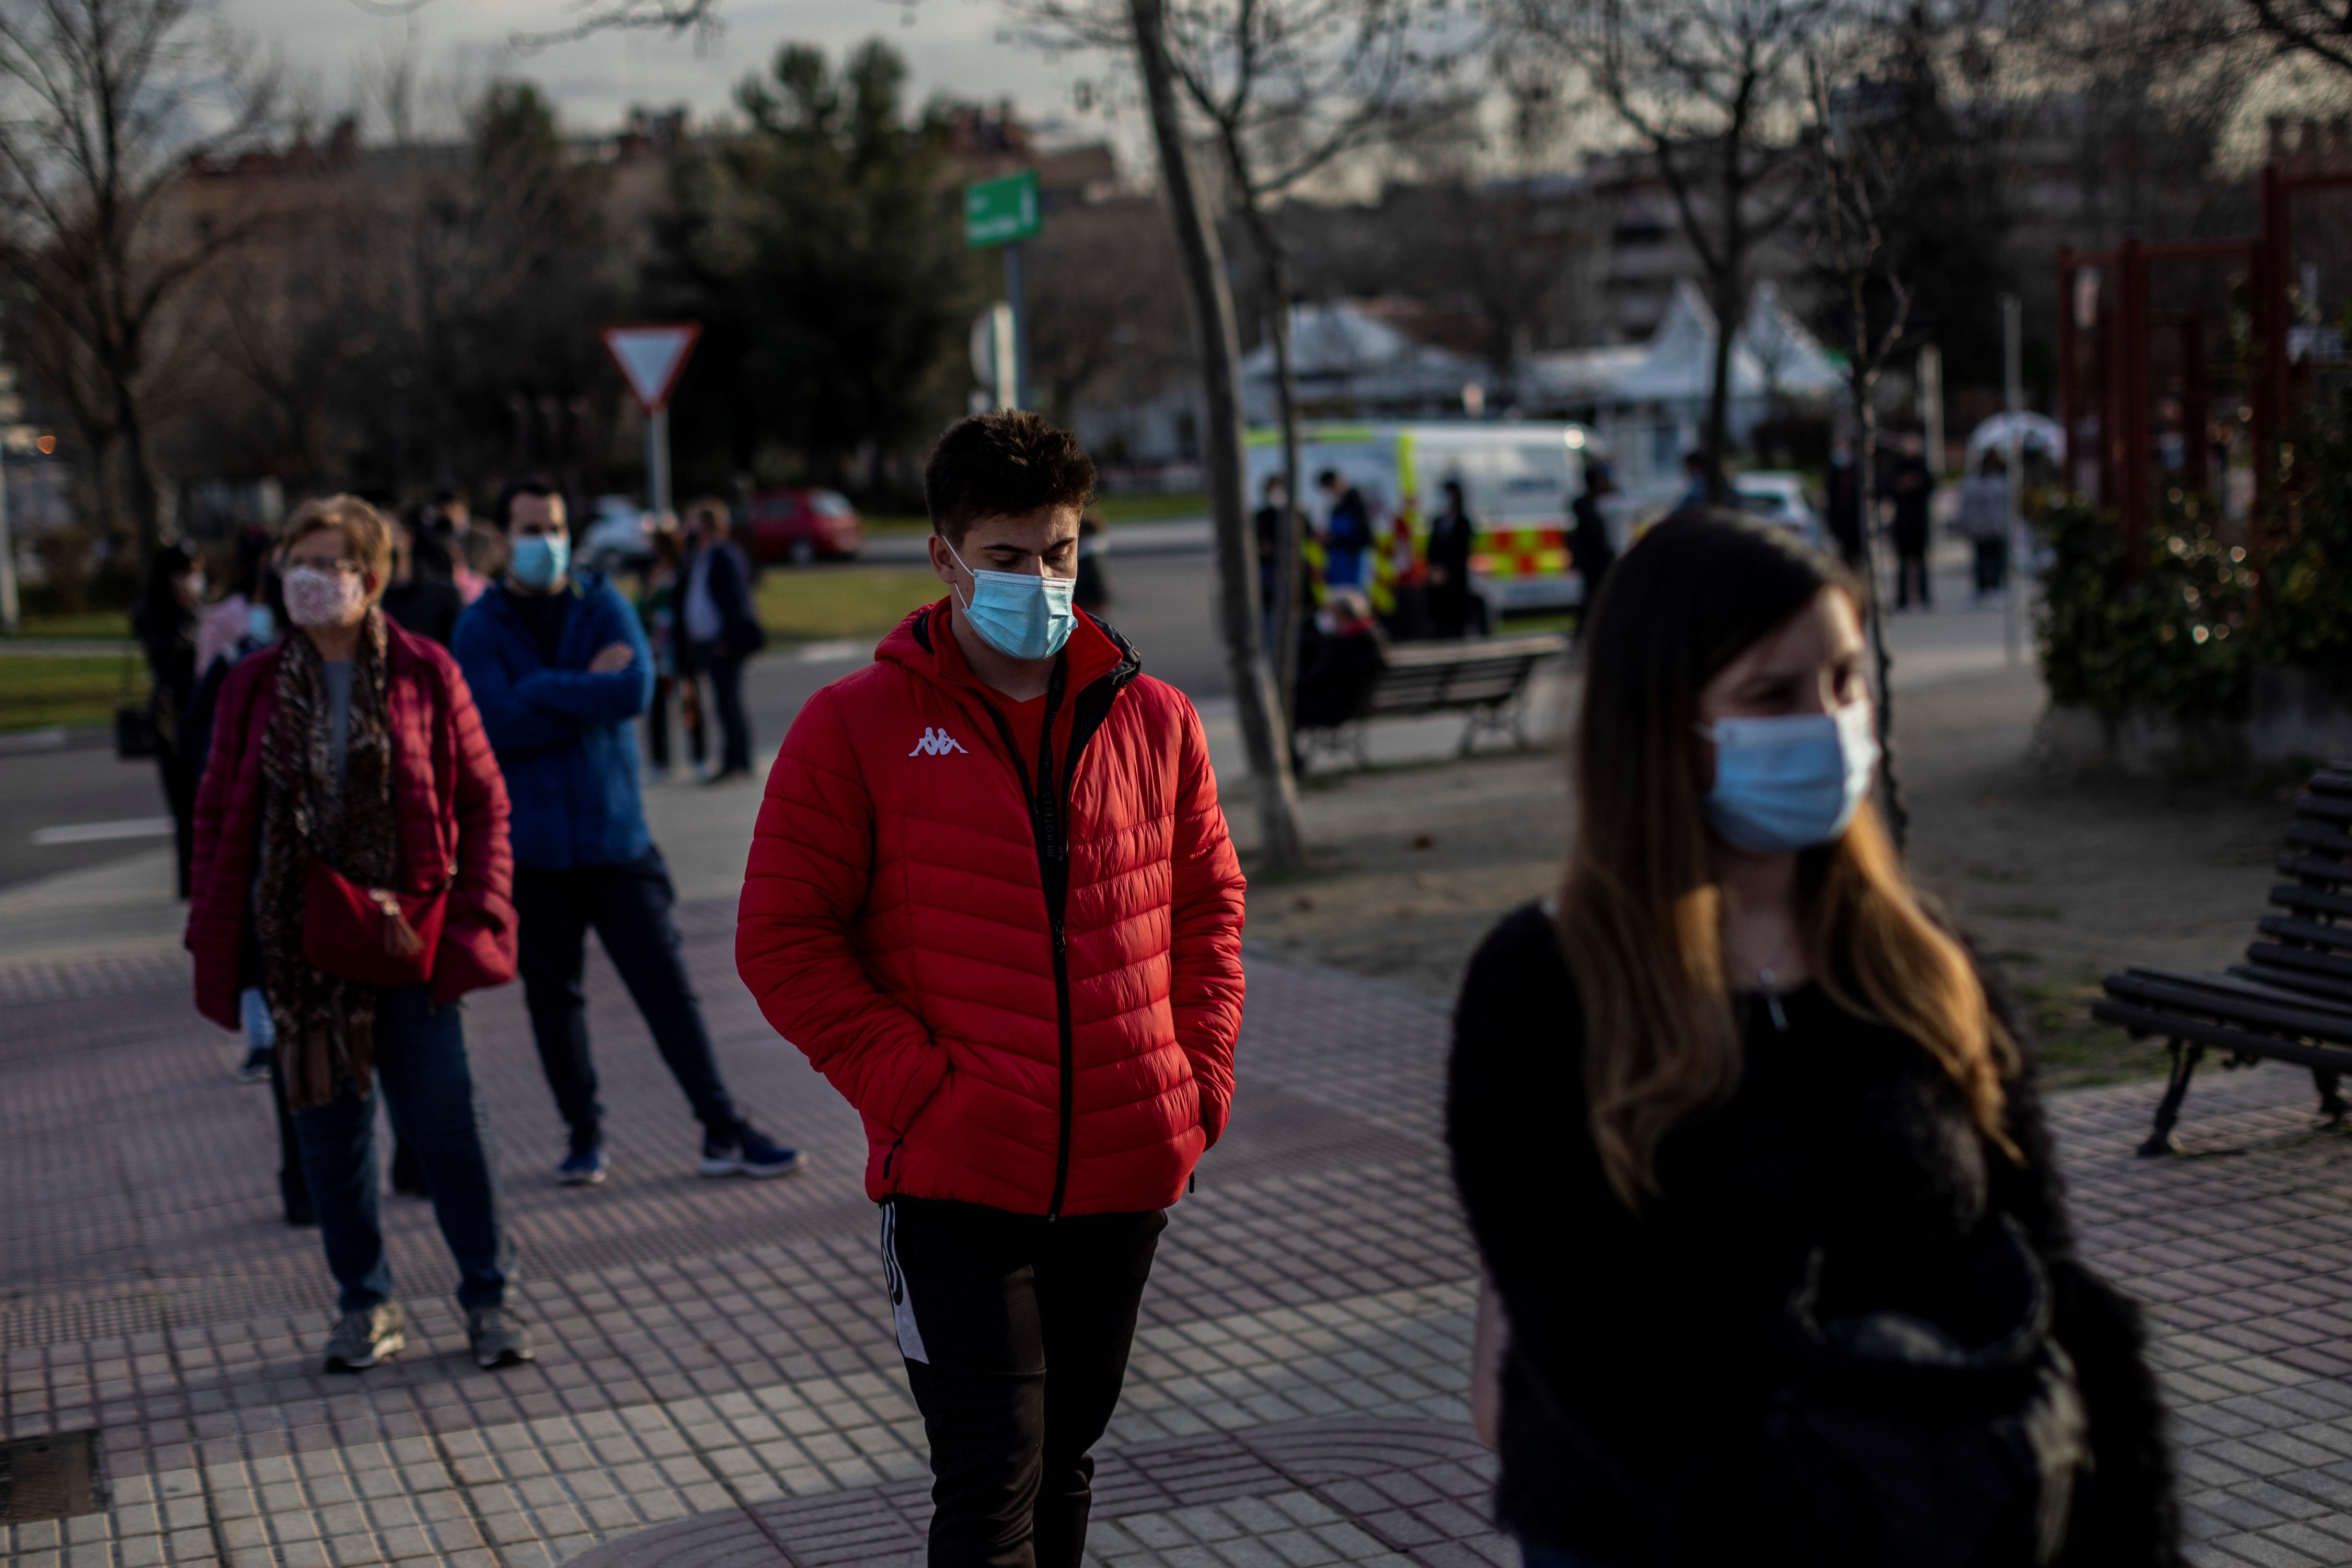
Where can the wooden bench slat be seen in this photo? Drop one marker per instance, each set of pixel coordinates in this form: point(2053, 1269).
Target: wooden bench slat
point(2337, 992)
point(2239, 1002)
point(2331, 938)
point(2331, 809)
point(2301, 958)
point(2319, 835)
point(2295, 896)
point(2172, 1025)
point(2334, 779)
point(2315, 868)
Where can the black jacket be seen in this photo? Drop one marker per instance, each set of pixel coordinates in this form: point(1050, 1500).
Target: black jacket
point(1640, 1366)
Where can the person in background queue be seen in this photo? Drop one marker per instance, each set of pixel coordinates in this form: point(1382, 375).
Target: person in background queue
point(1752, 1153)
point(227, 623)
point(658, 611)
point(453, 530)
point(1589, 547)
point(165, 625)
point(559, 665)
point(723, 626)
point(1912, 490)
point(1093, 595)
point(1347, 531)
point(422, 596)
point(260, 621)
point(1844, 505)
point(349, 765)
point(1452, 534)
point(990, 895)
point(1695, 485)
point(1983, 522)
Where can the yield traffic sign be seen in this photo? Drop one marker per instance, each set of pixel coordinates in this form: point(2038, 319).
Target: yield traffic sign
point(1001, 212)
point(650, 355)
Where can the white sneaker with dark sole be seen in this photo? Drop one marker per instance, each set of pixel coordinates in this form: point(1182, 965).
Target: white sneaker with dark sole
point(365, 1338)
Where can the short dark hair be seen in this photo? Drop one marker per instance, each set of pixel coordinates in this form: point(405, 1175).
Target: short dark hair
point(1002, 464)
point(505, 510)
point(1328, 476)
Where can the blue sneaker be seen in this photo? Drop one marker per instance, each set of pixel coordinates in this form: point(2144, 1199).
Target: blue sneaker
point(747, 1153)
point(584, 1167)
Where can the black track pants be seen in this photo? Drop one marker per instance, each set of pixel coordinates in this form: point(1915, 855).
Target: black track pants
point(1016, 1331)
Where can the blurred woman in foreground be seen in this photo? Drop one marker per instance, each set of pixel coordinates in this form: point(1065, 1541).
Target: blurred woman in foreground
point(1779, 1265)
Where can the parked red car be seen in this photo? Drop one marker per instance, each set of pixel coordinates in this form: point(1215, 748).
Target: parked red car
point(800, 526)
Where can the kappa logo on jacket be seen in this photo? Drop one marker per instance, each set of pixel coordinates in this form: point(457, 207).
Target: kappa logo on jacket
point(936, 743)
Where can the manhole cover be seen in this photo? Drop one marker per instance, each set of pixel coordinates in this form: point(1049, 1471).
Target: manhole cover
point(54, 1477)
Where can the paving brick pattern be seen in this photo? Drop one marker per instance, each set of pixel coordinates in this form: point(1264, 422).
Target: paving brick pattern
point(716, 1357)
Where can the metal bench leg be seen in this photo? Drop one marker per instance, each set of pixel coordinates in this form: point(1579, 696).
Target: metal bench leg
point(2331, 1103)
point(2186, 1055)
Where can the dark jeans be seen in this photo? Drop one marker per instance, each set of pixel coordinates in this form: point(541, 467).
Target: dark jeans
point(1015, 1330)
point(420, 1060)
point(690, 717)
point(291, 1189)
point(630, 908)
point(1992, 565)
point(726, 672)
point(179, 777)
point(1910, 573)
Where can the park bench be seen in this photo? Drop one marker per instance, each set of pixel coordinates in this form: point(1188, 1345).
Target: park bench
point(1486, 679)
point(2291, 1000)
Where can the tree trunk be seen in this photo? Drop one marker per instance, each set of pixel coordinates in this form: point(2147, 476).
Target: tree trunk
point(1255, 701)
point(1718, 394)
point(1285, 608)
point(1865, 379)
point(138, 492)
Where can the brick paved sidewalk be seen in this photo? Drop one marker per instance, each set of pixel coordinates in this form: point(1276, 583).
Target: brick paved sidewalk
point(724, 1385)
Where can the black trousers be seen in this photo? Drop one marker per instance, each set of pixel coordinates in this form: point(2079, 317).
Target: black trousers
point(630, 908)
point(1015, 1330)
point(726, 672)
point(690, 717)
point(1910, 570)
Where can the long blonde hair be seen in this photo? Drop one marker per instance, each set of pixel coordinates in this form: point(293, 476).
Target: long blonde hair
point(1640, 916)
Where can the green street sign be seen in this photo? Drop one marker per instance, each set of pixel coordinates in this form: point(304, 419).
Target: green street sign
point(1001, 212)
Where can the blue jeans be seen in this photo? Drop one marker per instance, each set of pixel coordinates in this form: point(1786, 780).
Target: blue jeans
point(420, 1059)
point(630, 908)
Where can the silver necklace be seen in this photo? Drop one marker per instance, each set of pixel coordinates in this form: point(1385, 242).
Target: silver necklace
point(1768, 977)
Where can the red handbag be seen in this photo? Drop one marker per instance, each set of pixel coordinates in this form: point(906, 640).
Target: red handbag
point(372, 935)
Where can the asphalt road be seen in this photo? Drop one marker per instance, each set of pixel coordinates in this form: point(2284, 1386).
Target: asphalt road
point(1161, 603)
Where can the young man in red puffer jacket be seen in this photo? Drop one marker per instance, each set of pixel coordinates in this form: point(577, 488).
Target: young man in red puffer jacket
point(992, 897)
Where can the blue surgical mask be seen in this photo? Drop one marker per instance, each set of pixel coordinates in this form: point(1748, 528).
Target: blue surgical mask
point(541, 561)
point(1019, 616)
point(260, 624)
point(1790, 784)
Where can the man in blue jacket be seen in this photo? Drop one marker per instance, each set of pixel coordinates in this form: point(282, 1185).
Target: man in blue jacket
point(560, 670)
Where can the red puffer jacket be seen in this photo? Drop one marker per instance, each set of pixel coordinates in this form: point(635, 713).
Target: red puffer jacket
point(1035, 1020)
point(447, 792)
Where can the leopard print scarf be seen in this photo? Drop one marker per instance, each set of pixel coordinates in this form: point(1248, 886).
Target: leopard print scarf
point(326, 1025)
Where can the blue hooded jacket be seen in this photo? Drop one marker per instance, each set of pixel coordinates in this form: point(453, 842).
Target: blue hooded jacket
point(565, 739)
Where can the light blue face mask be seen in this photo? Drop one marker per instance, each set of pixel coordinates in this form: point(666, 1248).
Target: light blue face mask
point(1019, 616)
point(539, 561)
point(1790, 784)
point(260, 624)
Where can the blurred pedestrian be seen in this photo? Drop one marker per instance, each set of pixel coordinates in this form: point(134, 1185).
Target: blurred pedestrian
point(1347, 531)
point(1752, 1152)
point(1038, 1035)
point(165, 625)
point(674, 682)
point(1267, 524)
point(1342, 652)
point(1452, 536)
point(723, 626)
point(1912, 490)
point(1589, 545)
point(260, 622)
point(559, 665)
point(422, 596)
point(230, 620)
point(1844, 505)
point(1695, 481)
point(1093, 593)
point(352, 856)
point(453, 529)
point(1983, 522)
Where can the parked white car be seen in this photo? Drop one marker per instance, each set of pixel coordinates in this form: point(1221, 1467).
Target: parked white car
point(619, 536)
point(1779, 498)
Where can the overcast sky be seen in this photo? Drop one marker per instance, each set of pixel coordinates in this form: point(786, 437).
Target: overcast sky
point(952, 45)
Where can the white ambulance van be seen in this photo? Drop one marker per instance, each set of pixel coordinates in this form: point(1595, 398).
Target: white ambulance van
point(1519, 479)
